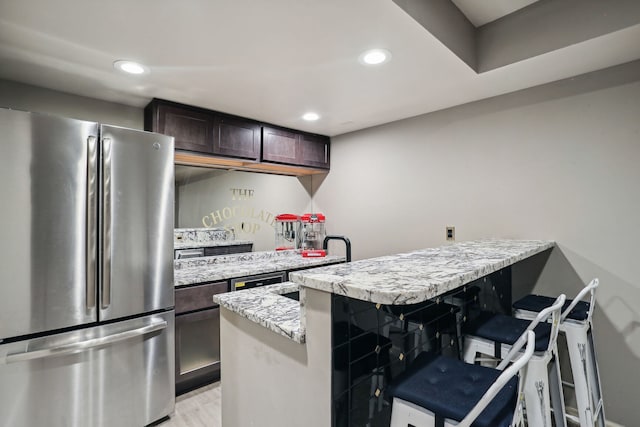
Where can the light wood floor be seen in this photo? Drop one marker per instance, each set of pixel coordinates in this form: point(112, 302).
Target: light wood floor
point(198, 408)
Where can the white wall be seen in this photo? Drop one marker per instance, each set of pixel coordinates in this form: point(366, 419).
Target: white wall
point(556, 162)
point(32, 98)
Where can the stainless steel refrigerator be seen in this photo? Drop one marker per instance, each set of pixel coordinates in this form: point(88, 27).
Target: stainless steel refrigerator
point(86, 273)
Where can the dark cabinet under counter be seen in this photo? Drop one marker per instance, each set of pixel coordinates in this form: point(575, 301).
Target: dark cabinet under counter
point(197, 335)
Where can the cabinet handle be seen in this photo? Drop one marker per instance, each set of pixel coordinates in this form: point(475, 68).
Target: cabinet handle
point(325, 152)
point(84, 345)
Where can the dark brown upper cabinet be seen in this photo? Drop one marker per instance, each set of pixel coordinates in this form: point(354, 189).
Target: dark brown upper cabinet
point(314, 150)
point(294, 148)
point(232, 141)
point(204, 131)
point(236, 137)
point(279, 145)
point(192, 129)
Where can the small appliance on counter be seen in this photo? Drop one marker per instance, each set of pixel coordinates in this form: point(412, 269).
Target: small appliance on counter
point(287, 232)
point(312, 235)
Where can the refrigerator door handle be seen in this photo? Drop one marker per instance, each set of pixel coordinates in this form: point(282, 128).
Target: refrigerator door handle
point(92, 159)
point(106, 223)
point(83, 345)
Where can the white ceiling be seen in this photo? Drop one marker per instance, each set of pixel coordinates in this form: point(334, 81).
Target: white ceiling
point(269, 60)
point(485, 11)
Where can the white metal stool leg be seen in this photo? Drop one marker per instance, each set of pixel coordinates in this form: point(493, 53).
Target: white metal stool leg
point(586, 376)
point(536, 394)
point(557, 394)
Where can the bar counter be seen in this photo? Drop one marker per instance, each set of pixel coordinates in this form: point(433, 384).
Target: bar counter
point(321, 375)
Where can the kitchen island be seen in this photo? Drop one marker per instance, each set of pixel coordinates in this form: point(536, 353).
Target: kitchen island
point(321, 376)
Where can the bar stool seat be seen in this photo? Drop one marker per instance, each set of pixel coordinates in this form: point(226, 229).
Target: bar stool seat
point(439, 390)
point(504, 329)
point(536, 303)
point(433, 382)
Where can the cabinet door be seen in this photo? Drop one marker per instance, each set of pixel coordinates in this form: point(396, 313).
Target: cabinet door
point(192, 298)
point(197, 349)
point(314, 151)
point(192, 130)
point(236, 137)
point(279, 145)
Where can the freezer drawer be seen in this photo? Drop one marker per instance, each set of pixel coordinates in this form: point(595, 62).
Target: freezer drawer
point(120, 374)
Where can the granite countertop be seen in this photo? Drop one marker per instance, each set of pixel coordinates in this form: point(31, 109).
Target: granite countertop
point(267, 307)
point(417, 276)
point(209, 243)
point(190, 238)
point(223, 267)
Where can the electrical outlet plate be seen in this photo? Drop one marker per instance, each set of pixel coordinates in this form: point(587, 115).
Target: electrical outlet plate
point(451, 233)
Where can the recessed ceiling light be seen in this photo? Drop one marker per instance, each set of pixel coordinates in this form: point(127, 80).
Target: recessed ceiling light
point(311, 117)
point(130, 67)
point(375, 56)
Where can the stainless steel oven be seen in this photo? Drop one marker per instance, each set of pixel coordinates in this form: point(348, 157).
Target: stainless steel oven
point(197, 335)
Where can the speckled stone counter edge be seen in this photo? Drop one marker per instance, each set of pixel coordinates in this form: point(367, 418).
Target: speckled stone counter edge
point(267, 307)
point(417, 276)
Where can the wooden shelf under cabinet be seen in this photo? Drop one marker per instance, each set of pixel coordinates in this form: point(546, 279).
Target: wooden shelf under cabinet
point(192, 159)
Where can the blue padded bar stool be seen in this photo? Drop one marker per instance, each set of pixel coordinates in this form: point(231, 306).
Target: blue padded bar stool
point(576, 325)
point(493, 335)
point(440, 391)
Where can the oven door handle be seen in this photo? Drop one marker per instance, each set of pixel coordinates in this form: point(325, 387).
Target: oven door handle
point(78, 347)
